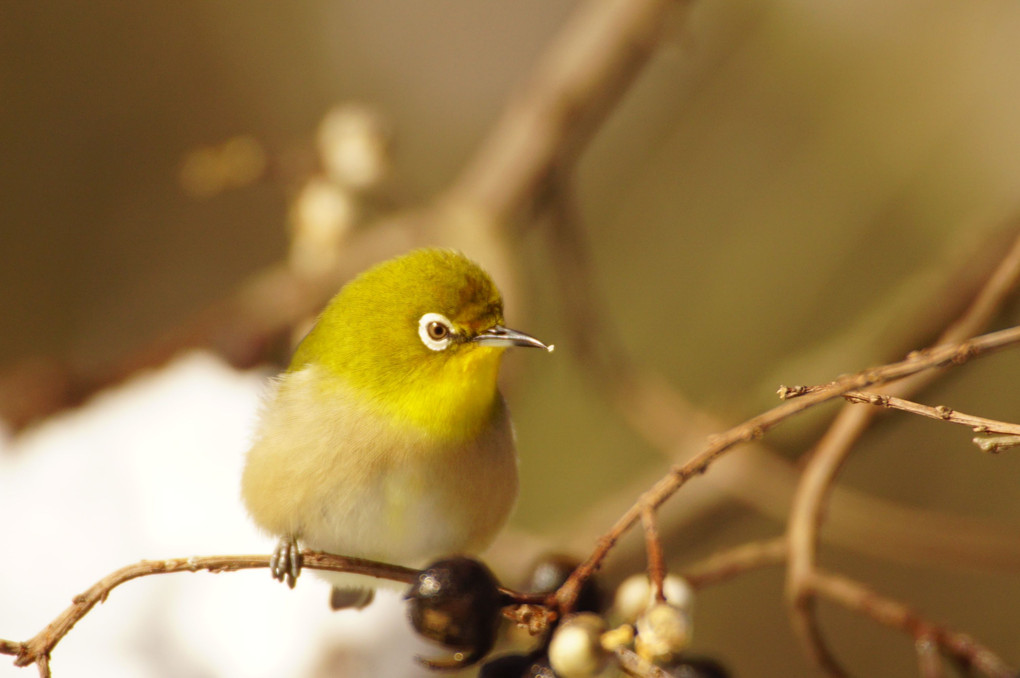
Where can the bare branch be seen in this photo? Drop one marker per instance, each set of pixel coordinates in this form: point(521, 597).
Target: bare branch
point(940, 412)
point(929, 662)
point(943, 355)
point(578, 81)
point(832, 450)
point(37, 649)
point(653, 547)
point(726, 565)
point(888, 612)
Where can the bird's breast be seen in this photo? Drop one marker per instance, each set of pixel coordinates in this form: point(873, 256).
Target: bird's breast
point(347, 478)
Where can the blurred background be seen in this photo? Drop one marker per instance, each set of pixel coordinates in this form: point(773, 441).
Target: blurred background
point(788, 191)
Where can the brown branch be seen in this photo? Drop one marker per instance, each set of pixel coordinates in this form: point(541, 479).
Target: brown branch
point(726, 565)
point(653, 547)
point(940, 412)
point(929, 662)
point(832, 450)
point(577, 82)
point(37, 649)
point(959, 646)
point(802, 530)
point(943, 355)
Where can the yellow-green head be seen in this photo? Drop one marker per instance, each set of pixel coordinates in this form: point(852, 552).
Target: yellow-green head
point(420, 338)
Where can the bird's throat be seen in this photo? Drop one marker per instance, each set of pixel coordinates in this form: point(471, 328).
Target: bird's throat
point(455, 404)
point(454, 401)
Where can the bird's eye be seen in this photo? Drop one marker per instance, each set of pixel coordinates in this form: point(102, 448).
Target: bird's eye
point(435, 331)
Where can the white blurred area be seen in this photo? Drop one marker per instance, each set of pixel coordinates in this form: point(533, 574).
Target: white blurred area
point(151, 470)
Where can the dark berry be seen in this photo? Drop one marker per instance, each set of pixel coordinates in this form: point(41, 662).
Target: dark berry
point(456, 602)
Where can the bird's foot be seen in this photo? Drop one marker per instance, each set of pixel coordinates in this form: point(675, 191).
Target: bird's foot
point(285, 564)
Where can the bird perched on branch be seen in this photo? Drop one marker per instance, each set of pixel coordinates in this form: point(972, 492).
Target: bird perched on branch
point(387, 438)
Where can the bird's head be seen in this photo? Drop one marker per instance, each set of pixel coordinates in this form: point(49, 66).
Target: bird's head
point(420, 337)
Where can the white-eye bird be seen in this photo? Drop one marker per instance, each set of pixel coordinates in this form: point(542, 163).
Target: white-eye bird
point(387, 437)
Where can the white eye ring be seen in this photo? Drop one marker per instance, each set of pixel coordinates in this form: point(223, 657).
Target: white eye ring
point(435, 330)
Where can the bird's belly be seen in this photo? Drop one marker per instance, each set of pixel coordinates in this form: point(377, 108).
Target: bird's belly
point(342, 480)
point(434, 502)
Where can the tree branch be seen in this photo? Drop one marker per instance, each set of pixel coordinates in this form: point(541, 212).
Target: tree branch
point(959, 646)
point(726, 565)
point(940, 412)
point(943, 355)
point(38, 649)
point(653, 548)
point(574, 86)
point(832, 450)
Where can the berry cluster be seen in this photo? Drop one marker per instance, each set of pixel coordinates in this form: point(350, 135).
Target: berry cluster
point(458, 603)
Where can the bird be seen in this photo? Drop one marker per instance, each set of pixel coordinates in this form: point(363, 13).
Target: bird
point(387, 437)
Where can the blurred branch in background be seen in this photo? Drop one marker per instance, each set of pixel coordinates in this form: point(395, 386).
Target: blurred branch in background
point(959, 647)
point(574, 87)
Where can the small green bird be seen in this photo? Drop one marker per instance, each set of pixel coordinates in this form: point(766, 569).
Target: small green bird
point(387, 437)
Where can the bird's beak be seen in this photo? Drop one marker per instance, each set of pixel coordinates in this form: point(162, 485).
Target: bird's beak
point(504, 336)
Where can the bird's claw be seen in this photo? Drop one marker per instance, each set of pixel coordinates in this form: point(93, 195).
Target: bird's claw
point(285, 563)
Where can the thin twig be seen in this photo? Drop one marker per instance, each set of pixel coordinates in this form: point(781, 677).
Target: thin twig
point(38, 648)
point(653, 547)
point(940, 412)
point(939, 356)
point(733, 562)
point(578, 81)
point(802, 531)
point(959, 646)
point(929, 662)
point(831, 451)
